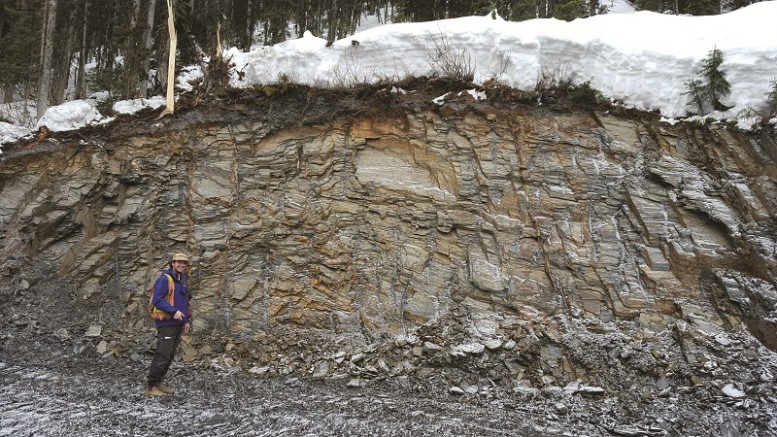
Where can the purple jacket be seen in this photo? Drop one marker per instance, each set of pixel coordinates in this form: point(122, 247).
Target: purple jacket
point(181, 299)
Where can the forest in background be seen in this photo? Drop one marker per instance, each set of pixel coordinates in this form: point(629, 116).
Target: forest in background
point(56, 50)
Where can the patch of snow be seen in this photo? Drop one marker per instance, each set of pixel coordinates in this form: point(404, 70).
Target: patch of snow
point(135, 105)
point(70, 115)
point(11, 132)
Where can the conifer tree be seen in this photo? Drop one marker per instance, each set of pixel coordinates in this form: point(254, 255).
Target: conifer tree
point(699, 7)
point(771, 98)
point(705, 93)
point(18, 52)
point(697, 95)
point(717, 85)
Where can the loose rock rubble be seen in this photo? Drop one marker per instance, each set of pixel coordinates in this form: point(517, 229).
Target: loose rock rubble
point(50, 391)
point(57, 384)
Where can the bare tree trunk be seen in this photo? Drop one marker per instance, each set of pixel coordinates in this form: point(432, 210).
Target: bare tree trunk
point(81, 74)
point(46, 53)
point(135, 15)
point(170, 99)
point(218, 39)
point(249, 30)
point(8, 93)
point(60, 76)
point(63, 60)
point(133, 57)
point(148, 41)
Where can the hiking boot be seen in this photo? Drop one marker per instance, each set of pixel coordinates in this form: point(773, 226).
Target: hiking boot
point(165, 389)
point(154, 391)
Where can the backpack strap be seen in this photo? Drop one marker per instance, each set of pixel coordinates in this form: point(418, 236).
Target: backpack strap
point(170, 298)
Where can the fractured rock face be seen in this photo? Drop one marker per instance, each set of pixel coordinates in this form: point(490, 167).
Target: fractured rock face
point(489, 229)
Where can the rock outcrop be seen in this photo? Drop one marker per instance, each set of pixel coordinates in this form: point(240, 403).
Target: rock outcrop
point(489, 245)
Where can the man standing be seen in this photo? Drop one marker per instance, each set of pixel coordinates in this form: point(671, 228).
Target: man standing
point(172, 313)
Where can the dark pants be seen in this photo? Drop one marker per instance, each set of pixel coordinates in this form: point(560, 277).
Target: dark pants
point(167, 341)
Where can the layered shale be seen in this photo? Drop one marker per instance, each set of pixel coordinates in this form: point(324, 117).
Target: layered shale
point(484, 245)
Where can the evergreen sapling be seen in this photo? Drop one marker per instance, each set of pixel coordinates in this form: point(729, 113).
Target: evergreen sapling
point(705, 93)
point(771, 99)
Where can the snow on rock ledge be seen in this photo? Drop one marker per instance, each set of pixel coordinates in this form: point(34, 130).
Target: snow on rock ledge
point(70, 116)
point(11, 132)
